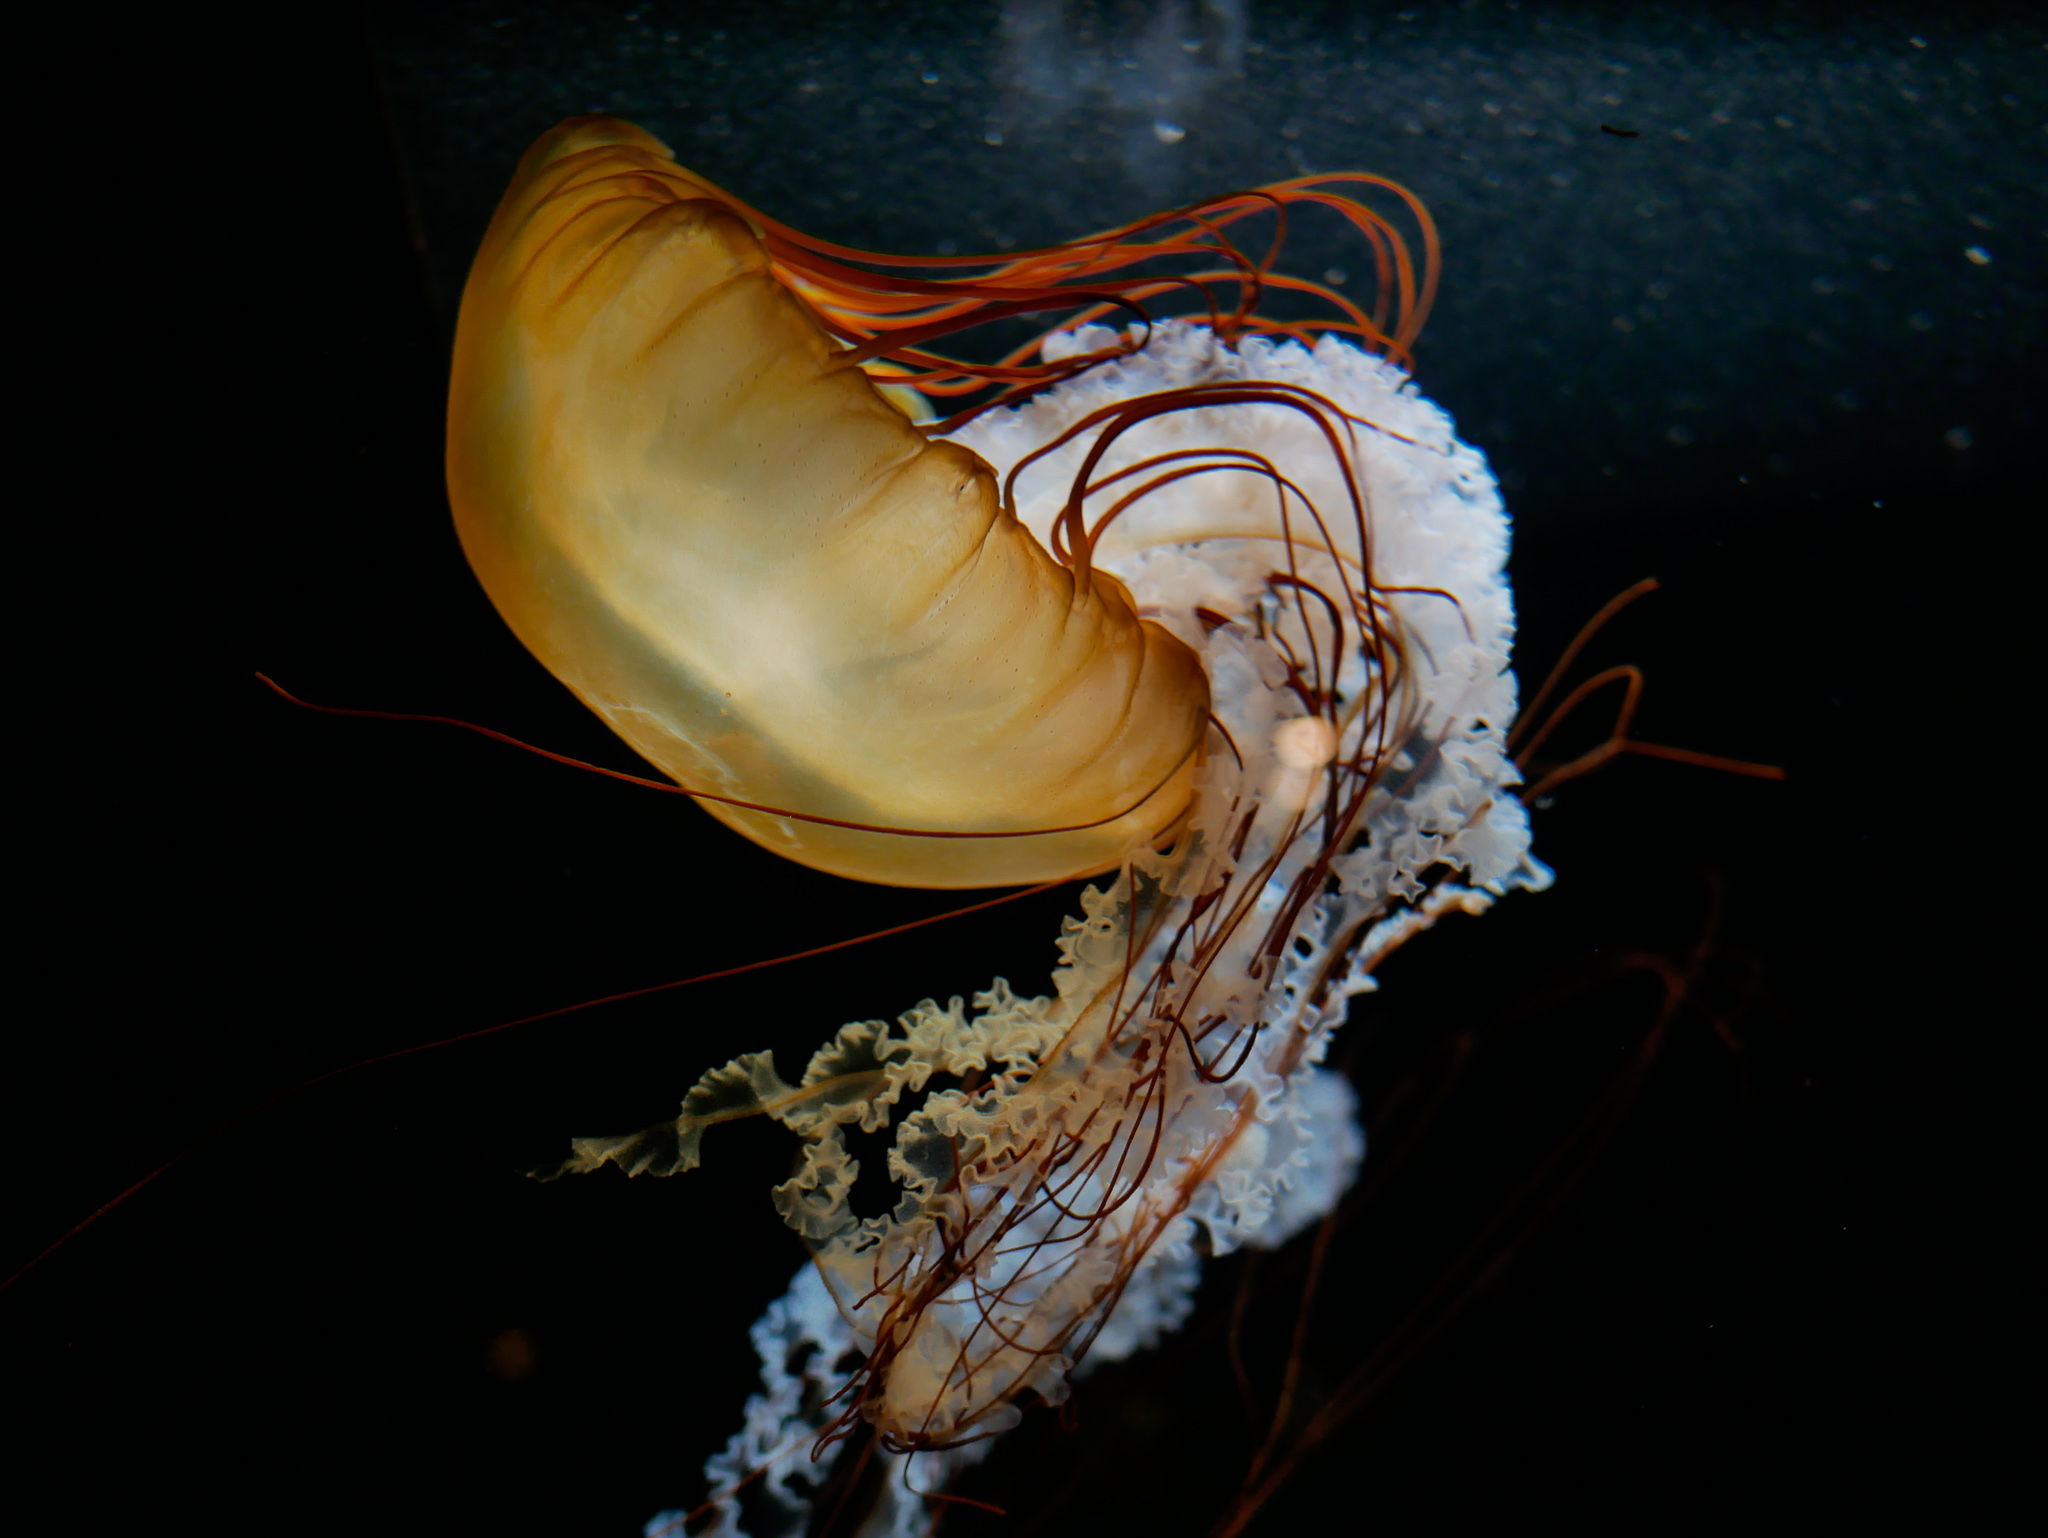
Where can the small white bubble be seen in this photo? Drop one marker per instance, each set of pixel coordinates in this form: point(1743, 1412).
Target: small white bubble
point(1978, 256)
point(1336, 277)
point(1168, 133)
point(930, 77)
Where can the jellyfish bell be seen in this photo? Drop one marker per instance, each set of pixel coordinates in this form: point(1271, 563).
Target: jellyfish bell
point(730, 546)
point(1215, 609)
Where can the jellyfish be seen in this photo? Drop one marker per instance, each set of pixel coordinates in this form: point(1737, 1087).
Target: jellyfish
point(1208, 608)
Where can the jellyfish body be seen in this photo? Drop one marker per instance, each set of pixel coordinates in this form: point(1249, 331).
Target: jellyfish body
point(715, 529)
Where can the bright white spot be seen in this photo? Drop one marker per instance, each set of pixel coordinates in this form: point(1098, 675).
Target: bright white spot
point(1978, 255)
point(1306, 742)
point(1168, 133)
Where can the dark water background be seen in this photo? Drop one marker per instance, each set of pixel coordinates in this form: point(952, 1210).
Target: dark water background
point(1782, 349)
